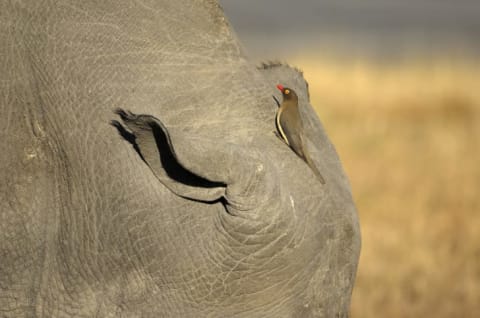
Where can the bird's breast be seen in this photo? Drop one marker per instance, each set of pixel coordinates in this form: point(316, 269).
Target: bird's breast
point(280, 128)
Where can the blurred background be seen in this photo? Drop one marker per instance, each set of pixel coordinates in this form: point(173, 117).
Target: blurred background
point(397, 86)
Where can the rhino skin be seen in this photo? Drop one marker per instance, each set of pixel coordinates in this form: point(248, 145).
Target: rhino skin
point(141, 176)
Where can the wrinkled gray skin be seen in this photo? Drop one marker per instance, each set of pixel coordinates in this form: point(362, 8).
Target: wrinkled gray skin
point(188, 207)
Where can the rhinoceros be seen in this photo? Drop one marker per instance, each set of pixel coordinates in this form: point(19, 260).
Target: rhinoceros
point(141, 175)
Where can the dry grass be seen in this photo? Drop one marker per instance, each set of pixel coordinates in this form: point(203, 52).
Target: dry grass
point(409, 137)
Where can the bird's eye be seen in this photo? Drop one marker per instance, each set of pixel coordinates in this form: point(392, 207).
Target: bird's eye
point(287, 91)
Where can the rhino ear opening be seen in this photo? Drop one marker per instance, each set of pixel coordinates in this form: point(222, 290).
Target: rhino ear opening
point(199, 168)
point(153, 143)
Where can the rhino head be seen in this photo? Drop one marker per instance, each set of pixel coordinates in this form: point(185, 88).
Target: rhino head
point(266, 218)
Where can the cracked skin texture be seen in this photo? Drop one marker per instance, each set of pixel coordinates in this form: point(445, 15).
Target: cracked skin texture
point(89, 228)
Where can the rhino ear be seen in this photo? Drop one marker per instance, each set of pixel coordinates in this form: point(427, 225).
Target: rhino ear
point(196, 168)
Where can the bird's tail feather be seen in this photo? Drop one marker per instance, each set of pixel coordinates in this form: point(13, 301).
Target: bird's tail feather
point(312, 166)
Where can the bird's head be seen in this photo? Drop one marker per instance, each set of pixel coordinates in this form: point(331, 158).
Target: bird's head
point(287, 93)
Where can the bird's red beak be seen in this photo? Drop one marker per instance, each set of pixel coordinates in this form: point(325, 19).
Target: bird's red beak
point(280, 87)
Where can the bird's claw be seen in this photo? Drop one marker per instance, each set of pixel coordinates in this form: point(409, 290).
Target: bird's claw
point(276, 101)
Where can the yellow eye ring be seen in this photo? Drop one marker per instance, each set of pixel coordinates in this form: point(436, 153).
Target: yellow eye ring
point(287, 91)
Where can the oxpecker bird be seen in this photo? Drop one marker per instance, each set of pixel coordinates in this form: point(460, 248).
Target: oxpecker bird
point(290, 127)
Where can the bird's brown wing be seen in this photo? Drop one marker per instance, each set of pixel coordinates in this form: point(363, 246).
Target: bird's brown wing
point(291, 128)
point(290, 122)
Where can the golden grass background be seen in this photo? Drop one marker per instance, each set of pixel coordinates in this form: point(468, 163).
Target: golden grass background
point(408, 134)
